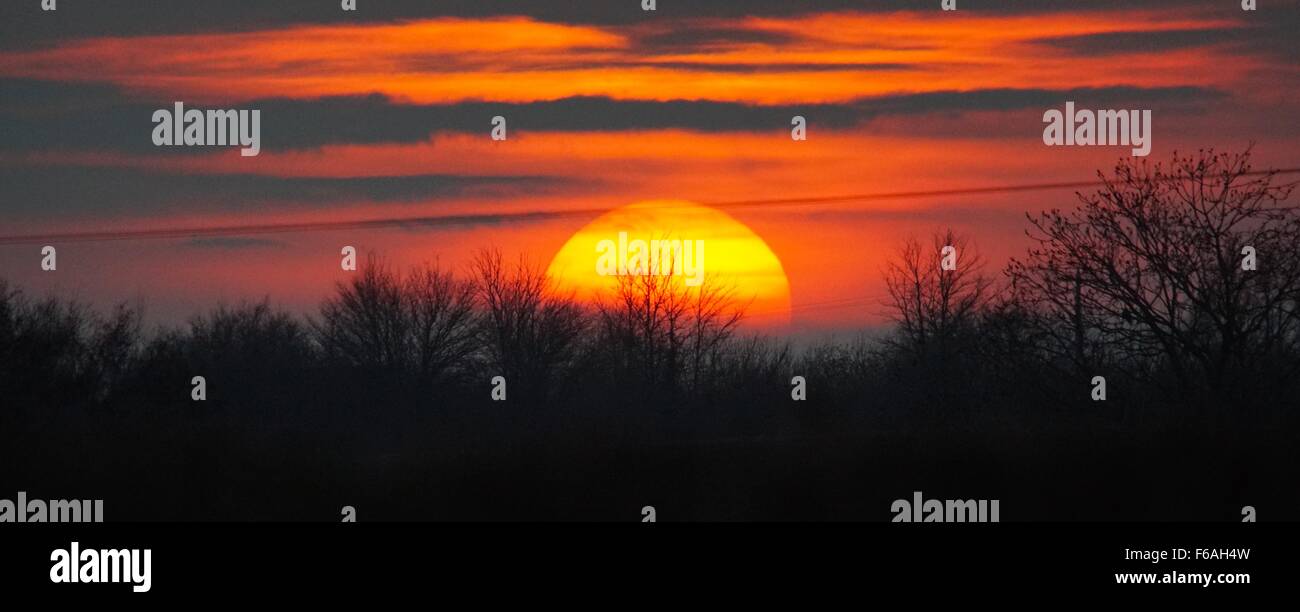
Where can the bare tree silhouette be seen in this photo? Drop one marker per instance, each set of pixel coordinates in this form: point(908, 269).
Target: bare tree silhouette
point(60, 352)
point(440, 311)
point(244, 350)
point(1147, 274)
point(419, 325)
point(935, 307)
point(664, 335)
point(528, 332)
point(365, 322)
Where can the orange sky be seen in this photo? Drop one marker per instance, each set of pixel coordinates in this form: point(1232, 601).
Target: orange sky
point(1217, 92)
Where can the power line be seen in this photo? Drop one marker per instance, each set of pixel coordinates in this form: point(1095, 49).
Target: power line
point(525, 217)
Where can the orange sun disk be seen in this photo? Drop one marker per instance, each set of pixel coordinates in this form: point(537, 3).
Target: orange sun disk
point(733, 258)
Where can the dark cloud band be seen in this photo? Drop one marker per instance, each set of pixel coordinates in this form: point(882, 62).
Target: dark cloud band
point(67, 121)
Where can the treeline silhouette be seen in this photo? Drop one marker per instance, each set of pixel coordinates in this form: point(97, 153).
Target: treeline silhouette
point(1179, 284)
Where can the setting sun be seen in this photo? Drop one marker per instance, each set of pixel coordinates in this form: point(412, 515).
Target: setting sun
point(732, 256)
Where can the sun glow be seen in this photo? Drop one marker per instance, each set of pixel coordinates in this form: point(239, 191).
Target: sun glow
point(733, 257)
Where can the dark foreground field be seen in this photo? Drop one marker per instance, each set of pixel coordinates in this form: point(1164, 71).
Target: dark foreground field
point(483, 460)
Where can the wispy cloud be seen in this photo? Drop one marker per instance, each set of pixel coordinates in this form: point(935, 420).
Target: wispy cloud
point(822, 58)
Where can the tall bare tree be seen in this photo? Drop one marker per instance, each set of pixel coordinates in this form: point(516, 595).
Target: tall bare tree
point(365, 322)
point(421, 324)
point(529, 332)
point(1153, 267)
point(934, 306)
point(440, 313)
point(669, 334)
